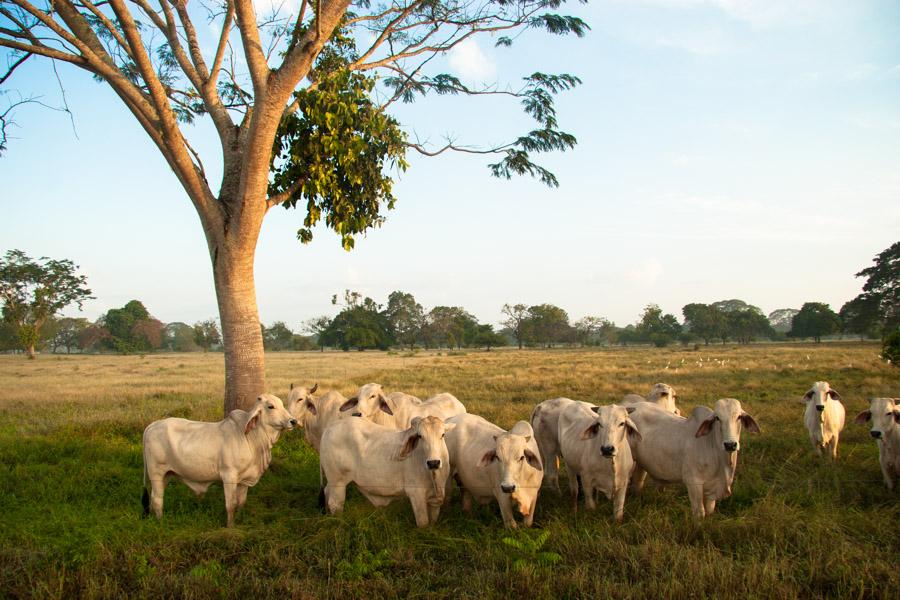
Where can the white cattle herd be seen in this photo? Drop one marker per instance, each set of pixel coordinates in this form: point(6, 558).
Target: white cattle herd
point(396, 445)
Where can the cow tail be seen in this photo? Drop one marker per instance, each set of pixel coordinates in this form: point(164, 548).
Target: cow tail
point(321, 488)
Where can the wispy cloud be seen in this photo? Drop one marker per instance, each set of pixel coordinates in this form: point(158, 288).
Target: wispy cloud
point(469, 62)
point(646, 273)
point(760, 13)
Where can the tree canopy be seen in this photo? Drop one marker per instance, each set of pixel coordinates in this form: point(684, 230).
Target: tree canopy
point(815, 320)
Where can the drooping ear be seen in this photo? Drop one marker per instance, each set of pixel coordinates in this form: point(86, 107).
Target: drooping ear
point(314, 388)
point(489, 457)
point(633, 430)
point(253, 417)
point(590, 432)
point(533, 459)
point(834, 395)
point(630, 409)
point(409, 445)
point(863, 417)
point(596, 409)
point(749, 423)
point(351, 403)
point(897, 417)
point(311, 407)
point(807, 396)
point(896, 401)
point(705, 426)
point(383, 405)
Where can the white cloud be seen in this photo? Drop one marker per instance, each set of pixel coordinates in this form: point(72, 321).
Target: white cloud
point(469, 62)
point(646, 273)
point(761, 13)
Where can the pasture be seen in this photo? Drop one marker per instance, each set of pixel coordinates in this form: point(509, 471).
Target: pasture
point(796, 526)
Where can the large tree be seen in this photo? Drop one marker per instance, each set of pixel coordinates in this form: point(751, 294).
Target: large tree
point(815, 319)
point(882, 288)
point(704, 320)
point(292, 100)
point(34, 291)
point(515, 318)
point(406, 318)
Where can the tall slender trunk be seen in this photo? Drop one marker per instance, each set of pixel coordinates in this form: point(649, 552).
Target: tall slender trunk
point(30, 352)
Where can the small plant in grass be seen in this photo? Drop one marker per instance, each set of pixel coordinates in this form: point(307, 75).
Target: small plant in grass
point(365, 564)
point(530, 553)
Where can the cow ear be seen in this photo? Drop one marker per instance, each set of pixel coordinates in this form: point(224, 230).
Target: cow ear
point(807, 396)
point(633, 430)
point(314, 388)
point(311, 407)
point(896, 401)
point(292, 385)
point(253, 418)
point(383, 405)
point(749, 423)
point(590, 432)
point(896, 418)
point(409, 445)
point(596, 409)
point(630, 409)
point(705, 427)
point(351, 403)
point(533, 459)
point(834, 395)
point(863, 417)
point(487, 459)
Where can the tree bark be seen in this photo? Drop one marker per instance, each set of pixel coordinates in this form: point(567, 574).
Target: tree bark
point(29, 351)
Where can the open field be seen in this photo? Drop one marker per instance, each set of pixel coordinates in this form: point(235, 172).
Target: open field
point(70, 485)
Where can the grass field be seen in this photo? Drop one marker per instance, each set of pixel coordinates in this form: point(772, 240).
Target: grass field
point(70, 486)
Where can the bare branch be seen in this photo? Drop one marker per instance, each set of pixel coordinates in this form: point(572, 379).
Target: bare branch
point(14, 66)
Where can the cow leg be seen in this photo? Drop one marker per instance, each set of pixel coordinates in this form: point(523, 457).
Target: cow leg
point(466, 500)
point(695, 493)
point(834, 447)
point(551, 464)
point(573, 487)
point(231, 502)
point(157, 489)
point(334, 498)
point(506, 511)
point(433, 512)
point(529, 518)
point(619, 503)
point(886, 471)
point(816, 445)
point(590, 493)
point(637, 479)
point(420, 510)
point(709, 505)
point(242, 495)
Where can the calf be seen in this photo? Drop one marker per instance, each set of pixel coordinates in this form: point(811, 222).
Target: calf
point(236, 451)
point(661, 394)
point(545, 422)
point(595, 447)
point(493, 464)
point(397, 410)
point(824, 417)
point(315, 414)
point(700, 452)
point(885, 418)
point(386, 464)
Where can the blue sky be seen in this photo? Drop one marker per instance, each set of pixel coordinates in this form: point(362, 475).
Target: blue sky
point(727, 149)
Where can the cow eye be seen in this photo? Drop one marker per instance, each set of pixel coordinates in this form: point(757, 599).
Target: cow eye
point(521, 458)
point(622, 424)
point(271, 406)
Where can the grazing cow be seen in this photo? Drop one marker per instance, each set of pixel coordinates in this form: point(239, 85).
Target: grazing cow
point(491, 463)
point(386, 464)
point(397, 410)
point(315, 414)
point(236, 451)
point(595, 447)
point(661, 394)
point(885, 417)
point(824, 417)
point(545, 422)
point(700, 452)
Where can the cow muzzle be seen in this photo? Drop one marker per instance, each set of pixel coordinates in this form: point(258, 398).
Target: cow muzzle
point(356, 414)
point(433, 464)
point(820, 407)
point(731, 446)
point(508, 488)
point(875, 434)
point(608, 451)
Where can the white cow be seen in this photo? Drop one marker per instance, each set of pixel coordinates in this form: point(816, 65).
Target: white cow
point(315, 414)
point(885, 417)
point(397, 410)
point(824, 417)
point(700, 452)
point(661, 394)
point(386, 464)
point(491, 463)
point(595, 447)
point(236, 451)
point(545, 422)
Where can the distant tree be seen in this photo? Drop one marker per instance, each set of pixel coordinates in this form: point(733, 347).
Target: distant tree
point(547, 324)
point(861, 316)
point(748, 324)
point(882, 287)
point(405, 317)
point(451, 326)
point(67, 332)
point(316, 327)
point(360, 325)
point(179, 337)
point(35, 291)
point(587, 327)
point(815, 319)
point(95, 337)
point(132, 329)
point(658, 328)
point(303, 343)
point(206, 334)
point(628, 335)
point(705, 321)
point(781, 319)
point(8, 338)
point(277, 337)
point(516, 319)
point(608, 333)
point(890, 348)
point(487, 338)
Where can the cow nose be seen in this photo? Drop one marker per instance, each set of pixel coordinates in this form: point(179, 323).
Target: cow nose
point(875, 434)
point(433, 464)
point(820, 407)
point(607, 451)
point(508, 488)
point(730, 446)
point(293, 422)
point(357, 414)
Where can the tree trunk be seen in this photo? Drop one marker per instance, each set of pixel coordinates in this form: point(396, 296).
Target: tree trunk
point(29, 351)
point(245, 376)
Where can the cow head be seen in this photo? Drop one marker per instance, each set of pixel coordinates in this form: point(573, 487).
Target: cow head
point(664, 395)
point(819, 394)
point(725, 422)
point(884, 413)
point(368, 401)
point(301, 403)
point(426, 435)
point(513, 456)
point(268, 412)
point(610, 429)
